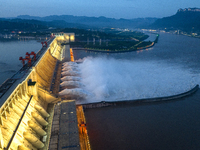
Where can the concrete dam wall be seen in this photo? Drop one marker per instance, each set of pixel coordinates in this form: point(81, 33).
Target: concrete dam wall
point(26, 100)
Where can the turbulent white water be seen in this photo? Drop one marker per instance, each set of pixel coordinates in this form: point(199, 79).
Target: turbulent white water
point(109, 79)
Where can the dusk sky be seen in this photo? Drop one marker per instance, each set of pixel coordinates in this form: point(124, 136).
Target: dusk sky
point(109, 8)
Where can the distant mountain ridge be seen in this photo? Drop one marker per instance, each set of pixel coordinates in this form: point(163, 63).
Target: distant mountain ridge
point(189, 9)
point(95, 21)
point(187, 20)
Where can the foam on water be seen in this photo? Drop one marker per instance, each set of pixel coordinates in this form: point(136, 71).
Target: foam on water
point(110, 79)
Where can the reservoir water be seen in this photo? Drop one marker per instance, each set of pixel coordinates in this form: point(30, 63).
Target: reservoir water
point(172, 65)
point(10, 51)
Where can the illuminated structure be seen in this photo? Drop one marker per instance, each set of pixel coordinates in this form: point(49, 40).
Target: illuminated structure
point(67, 37)
point(28, 98)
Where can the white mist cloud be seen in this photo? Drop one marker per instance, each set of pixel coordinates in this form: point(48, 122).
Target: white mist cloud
point(110, 79)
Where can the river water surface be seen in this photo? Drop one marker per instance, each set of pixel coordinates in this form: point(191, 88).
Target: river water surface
point(172, 65)
point(10, 51)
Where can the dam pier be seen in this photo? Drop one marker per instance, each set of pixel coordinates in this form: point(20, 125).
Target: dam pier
point(32, 114)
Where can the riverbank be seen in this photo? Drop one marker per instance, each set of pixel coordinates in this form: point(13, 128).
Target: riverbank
point(134, 48)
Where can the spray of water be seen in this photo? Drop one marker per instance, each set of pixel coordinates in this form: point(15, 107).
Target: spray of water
point(109, 79)
point(112, 79)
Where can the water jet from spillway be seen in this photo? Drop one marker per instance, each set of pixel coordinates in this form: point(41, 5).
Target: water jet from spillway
point(71, 84)
point(70, 73)
point(76, 93)
point(70, 78)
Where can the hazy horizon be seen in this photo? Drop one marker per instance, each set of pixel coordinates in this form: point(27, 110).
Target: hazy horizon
point(127, 9)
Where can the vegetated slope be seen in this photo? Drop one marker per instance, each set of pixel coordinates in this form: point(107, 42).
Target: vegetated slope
point(185, 19)
point(34, 25)
point(18, 24)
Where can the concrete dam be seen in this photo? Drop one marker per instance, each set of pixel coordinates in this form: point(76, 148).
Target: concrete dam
point(33, 115)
